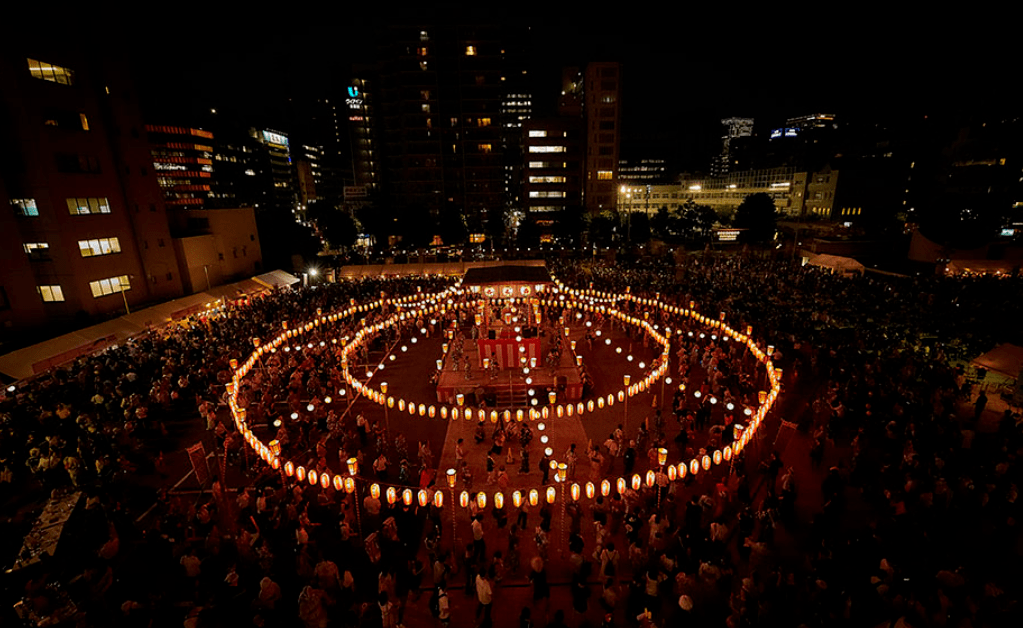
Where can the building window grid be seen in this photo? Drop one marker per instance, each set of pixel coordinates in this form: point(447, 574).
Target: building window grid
point(50, 72)
point(111, 285)
point(50, 293)
point(99, 246)
point(83, 206)
point(25, 206)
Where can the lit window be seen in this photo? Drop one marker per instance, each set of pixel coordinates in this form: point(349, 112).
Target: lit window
point(546, 194)
point(100, 246)
point(547, 179)
point(426, 107)
point(50, 72)
point(424, 36)
point(37, 250)
point(484, 121)
point(486, 148)
point(25, 206)
point(80, 206)
point(50, 293)
point(538, 134)
point(603, 175)
point(104, 287)
point(546, 149)
point(422, 51)
point(470, 51)
point(85, 121)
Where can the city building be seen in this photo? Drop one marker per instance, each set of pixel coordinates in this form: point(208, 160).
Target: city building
point(362, 142)
point(732, 143)
point(216, 246)
point(83, 231)
point(602, 94)
point(553, 174)
point(643, 172)
point(183, 163)
point(275, 172)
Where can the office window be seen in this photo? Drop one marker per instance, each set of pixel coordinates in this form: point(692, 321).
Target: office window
point(25, 206)
point(546, 149)
point(425, 93)
point(100, 246)
point(103, 287)
point(76, 163)
point(483, 121)
point(426, 107)
point(486, 148)
point(81, 206)
point(547, 179)
point(470, 51)
point(50, 72)
point(50, 293)
point(37, 250)
point(603, 175)
point(538, 134)
point(546, 194)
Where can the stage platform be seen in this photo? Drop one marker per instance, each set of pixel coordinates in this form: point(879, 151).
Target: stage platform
point(508, 388)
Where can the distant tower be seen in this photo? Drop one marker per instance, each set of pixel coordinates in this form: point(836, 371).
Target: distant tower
point(602, 110)
point(734, 128)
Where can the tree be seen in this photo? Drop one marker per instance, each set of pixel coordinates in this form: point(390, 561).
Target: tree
point(639, 229)
point(605, 228)
point(757, 215)
point(696, 221)
point(335, 225)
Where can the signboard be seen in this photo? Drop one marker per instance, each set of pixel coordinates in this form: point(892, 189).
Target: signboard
point(355, 191)
point(354, 100)
point(197, 456)
point(275, 138)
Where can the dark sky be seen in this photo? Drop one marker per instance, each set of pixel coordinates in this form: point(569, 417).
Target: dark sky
point(685, 66)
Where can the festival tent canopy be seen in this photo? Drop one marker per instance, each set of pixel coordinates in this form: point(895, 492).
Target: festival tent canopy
point(836, 263)
point(276, 279)
point(1006, 359)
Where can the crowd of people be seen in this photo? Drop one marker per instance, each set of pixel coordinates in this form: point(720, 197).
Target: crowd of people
point(901, 508)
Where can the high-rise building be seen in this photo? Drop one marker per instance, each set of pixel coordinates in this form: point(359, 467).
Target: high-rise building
point(275, 160)
point(183, 164)
point(438, 102)
point(735, 130)
point(603, 90)
point(553, 174)
point(362, 142)
point(83, 227)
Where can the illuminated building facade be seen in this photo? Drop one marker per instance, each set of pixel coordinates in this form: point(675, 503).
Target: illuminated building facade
point(183, 164)
point(736, 129)
point(274, 160)
point(602, 110)
point(83, 220)
point(553, 150)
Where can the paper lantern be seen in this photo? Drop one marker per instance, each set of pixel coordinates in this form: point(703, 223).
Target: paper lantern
point(299, 474)
point(444, 412)
point(600, 402)
point(534, 497)
point(517, 499)
point(605, 488)
point(325, 481)
point(706, 461)
point(621, 484)
point(560, 411)
point(275, 463)
point(422, 409)
point(575, 491)
point(498, 500)
point(662, 456)
point(726, 453)
point(349, 484)
point(401, 405)
point(717, 456)
point(569, 409)
point(431, 412)
point(590, 490)
point(579, 409)
point(672, 473)
point(374, 490)
point(481, 500)
point(406, 497)
point(589, 406)
point(519, 415)
point(313, 477)
point(463, 499)
point(610, 400)
point(392, 495)
point(694, 466)
point(551, 494)
point(682, 470)
point(438, 499)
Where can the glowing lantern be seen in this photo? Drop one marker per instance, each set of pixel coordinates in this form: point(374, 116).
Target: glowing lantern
point(727, 453)
point(682, 470)
point(551, 494)
point(275, 463)
point(275, 447)
point(610, 400)
point(562, 472)
point(438, 499)
point(422, 409)
point(518, 415)
point(672, 473)
point(444, 412)
point(621, 485)
point(463, 499)
point(392, 495)
point(580, 408)
point(339, 483)
point(468, 414)
point(605, 488)
point(534, 497)
point(621, 395)
point(560, 411)
point(374, 490)
point(575, 491)
point(706, 461)
point(431, 412)
point(589, 405)
point(349, 484)
point(300, 474)
point(517, 499)
point(481, 500)
point(569, 409)
point(662, 456)
point(401, 405)
point(498, 500)
point(406, 497)
point(600, 402)
point(717, 456)
point(694, 466)
point(313, 477)
point(325, 481)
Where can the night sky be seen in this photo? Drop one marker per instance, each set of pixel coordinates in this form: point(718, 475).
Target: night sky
point(684, 67)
